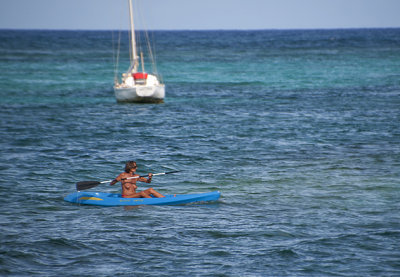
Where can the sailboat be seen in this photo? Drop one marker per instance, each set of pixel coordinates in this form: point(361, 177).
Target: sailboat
point(136, 85)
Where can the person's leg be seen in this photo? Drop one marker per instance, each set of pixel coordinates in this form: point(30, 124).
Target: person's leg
point(142, 194)
point(154, 192)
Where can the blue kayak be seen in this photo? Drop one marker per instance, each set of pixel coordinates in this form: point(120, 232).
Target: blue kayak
point(114, 199)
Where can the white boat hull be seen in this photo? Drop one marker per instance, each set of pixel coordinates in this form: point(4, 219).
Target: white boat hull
point(140, 94)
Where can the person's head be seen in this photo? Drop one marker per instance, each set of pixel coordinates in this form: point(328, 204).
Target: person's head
point(129, 166)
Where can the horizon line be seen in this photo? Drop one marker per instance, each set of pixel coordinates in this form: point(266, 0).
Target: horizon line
point(201, 30)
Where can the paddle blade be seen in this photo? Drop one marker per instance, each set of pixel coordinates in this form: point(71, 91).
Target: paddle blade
point(86, 185)
point(172, 171)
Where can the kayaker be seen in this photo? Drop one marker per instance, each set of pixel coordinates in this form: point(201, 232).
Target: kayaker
point(129, 184)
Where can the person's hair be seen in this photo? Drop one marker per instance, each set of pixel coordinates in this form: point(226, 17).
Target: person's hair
point(130, 165)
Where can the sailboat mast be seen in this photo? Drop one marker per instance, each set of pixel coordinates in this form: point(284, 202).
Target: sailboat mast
point(134, 61)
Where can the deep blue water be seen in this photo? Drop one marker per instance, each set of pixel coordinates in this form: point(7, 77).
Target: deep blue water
point(299, 130)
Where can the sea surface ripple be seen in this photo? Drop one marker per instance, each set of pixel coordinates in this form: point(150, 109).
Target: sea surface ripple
point(299, 130)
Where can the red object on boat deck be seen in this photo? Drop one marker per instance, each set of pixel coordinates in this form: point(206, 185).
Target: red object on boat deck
point(139, 75)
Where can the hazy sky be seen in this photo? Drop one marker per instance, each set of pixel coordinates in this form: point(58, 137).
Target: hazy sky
point(199, 14)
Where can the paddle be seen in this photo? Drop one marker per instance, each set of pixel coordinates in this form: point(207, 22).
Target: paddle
point(91, 184)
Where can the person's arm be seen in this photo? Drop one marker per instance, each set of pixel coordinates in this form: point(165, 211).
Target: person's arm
point(116, 180)
point(148, 180)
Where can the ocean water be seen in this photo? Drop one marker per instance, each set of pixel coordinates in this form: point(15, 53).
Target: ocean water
point(299, 130)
